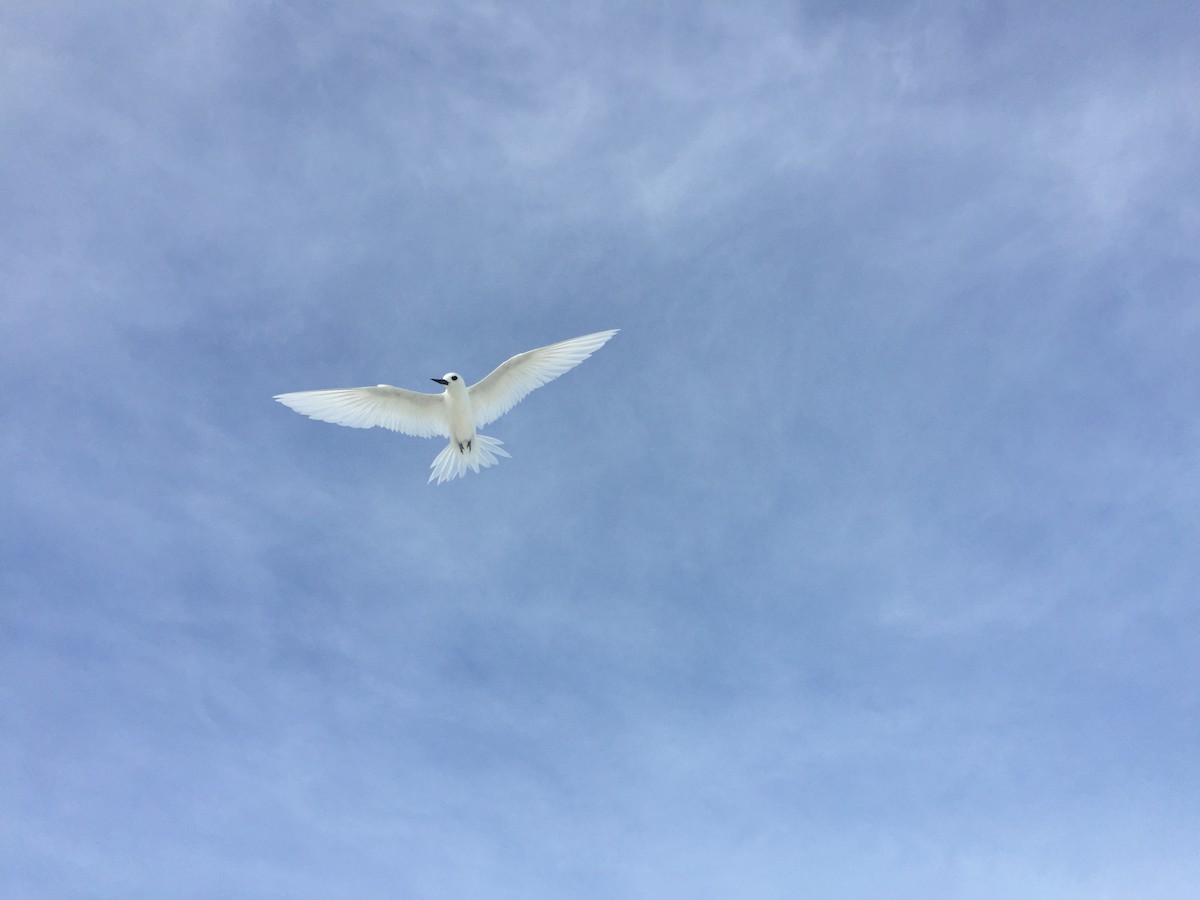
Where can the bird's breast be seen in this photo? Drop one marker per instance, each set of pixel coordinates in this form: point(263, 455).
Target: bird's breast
point(462, 418)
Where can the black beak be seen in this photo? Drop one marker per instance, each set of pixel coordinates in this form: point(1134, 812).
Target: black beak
point(440, 380)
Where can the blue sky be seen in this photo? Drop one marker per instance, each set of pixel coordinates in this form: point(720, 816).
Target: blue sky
point(861, 563)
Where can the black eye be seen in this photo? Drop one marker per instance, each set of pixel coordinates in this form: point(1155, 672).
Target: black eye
point(454, 378)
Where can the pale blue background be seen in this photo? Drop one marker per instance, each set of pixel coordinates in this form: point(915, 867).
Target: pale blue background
point(863, 563)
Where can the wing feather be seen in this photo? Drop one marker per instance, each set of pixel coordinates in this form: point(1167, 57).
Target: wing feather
point(410, 412)
point(514, 379)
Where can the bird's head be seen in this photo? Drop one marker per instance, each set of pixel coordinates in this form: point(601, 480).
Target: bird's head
point(452, 381)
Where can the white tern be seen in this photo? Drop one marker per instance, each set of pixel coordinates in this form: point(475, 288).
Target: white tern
point(456, 413)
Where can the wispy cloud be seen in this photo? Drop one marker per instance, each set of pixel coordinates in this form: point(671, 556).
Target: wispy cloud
point(861, 556)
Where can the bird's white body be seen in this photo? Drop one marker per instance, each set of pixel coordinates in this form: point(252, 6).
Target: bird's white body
point(467, 449)
point(458, 412)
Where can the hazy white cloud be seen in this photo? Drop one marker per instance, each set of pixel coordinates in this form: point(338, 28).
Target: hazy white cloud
point(861, 555)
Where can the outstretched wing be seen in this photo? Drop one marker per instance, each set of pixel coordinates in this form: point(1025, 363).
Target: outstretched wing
point(421, 415)
point(511, 381)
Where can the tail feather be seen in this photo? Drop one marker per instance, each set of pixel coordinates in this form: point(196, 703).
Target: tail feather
point(453, 463)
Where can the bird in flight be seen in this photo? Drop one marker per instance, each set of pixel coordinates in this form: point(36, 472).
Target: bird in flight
point(456, 413)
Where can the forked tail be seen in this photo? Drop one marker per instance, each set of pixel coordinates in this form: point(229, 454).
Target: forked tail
point(454, 460)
